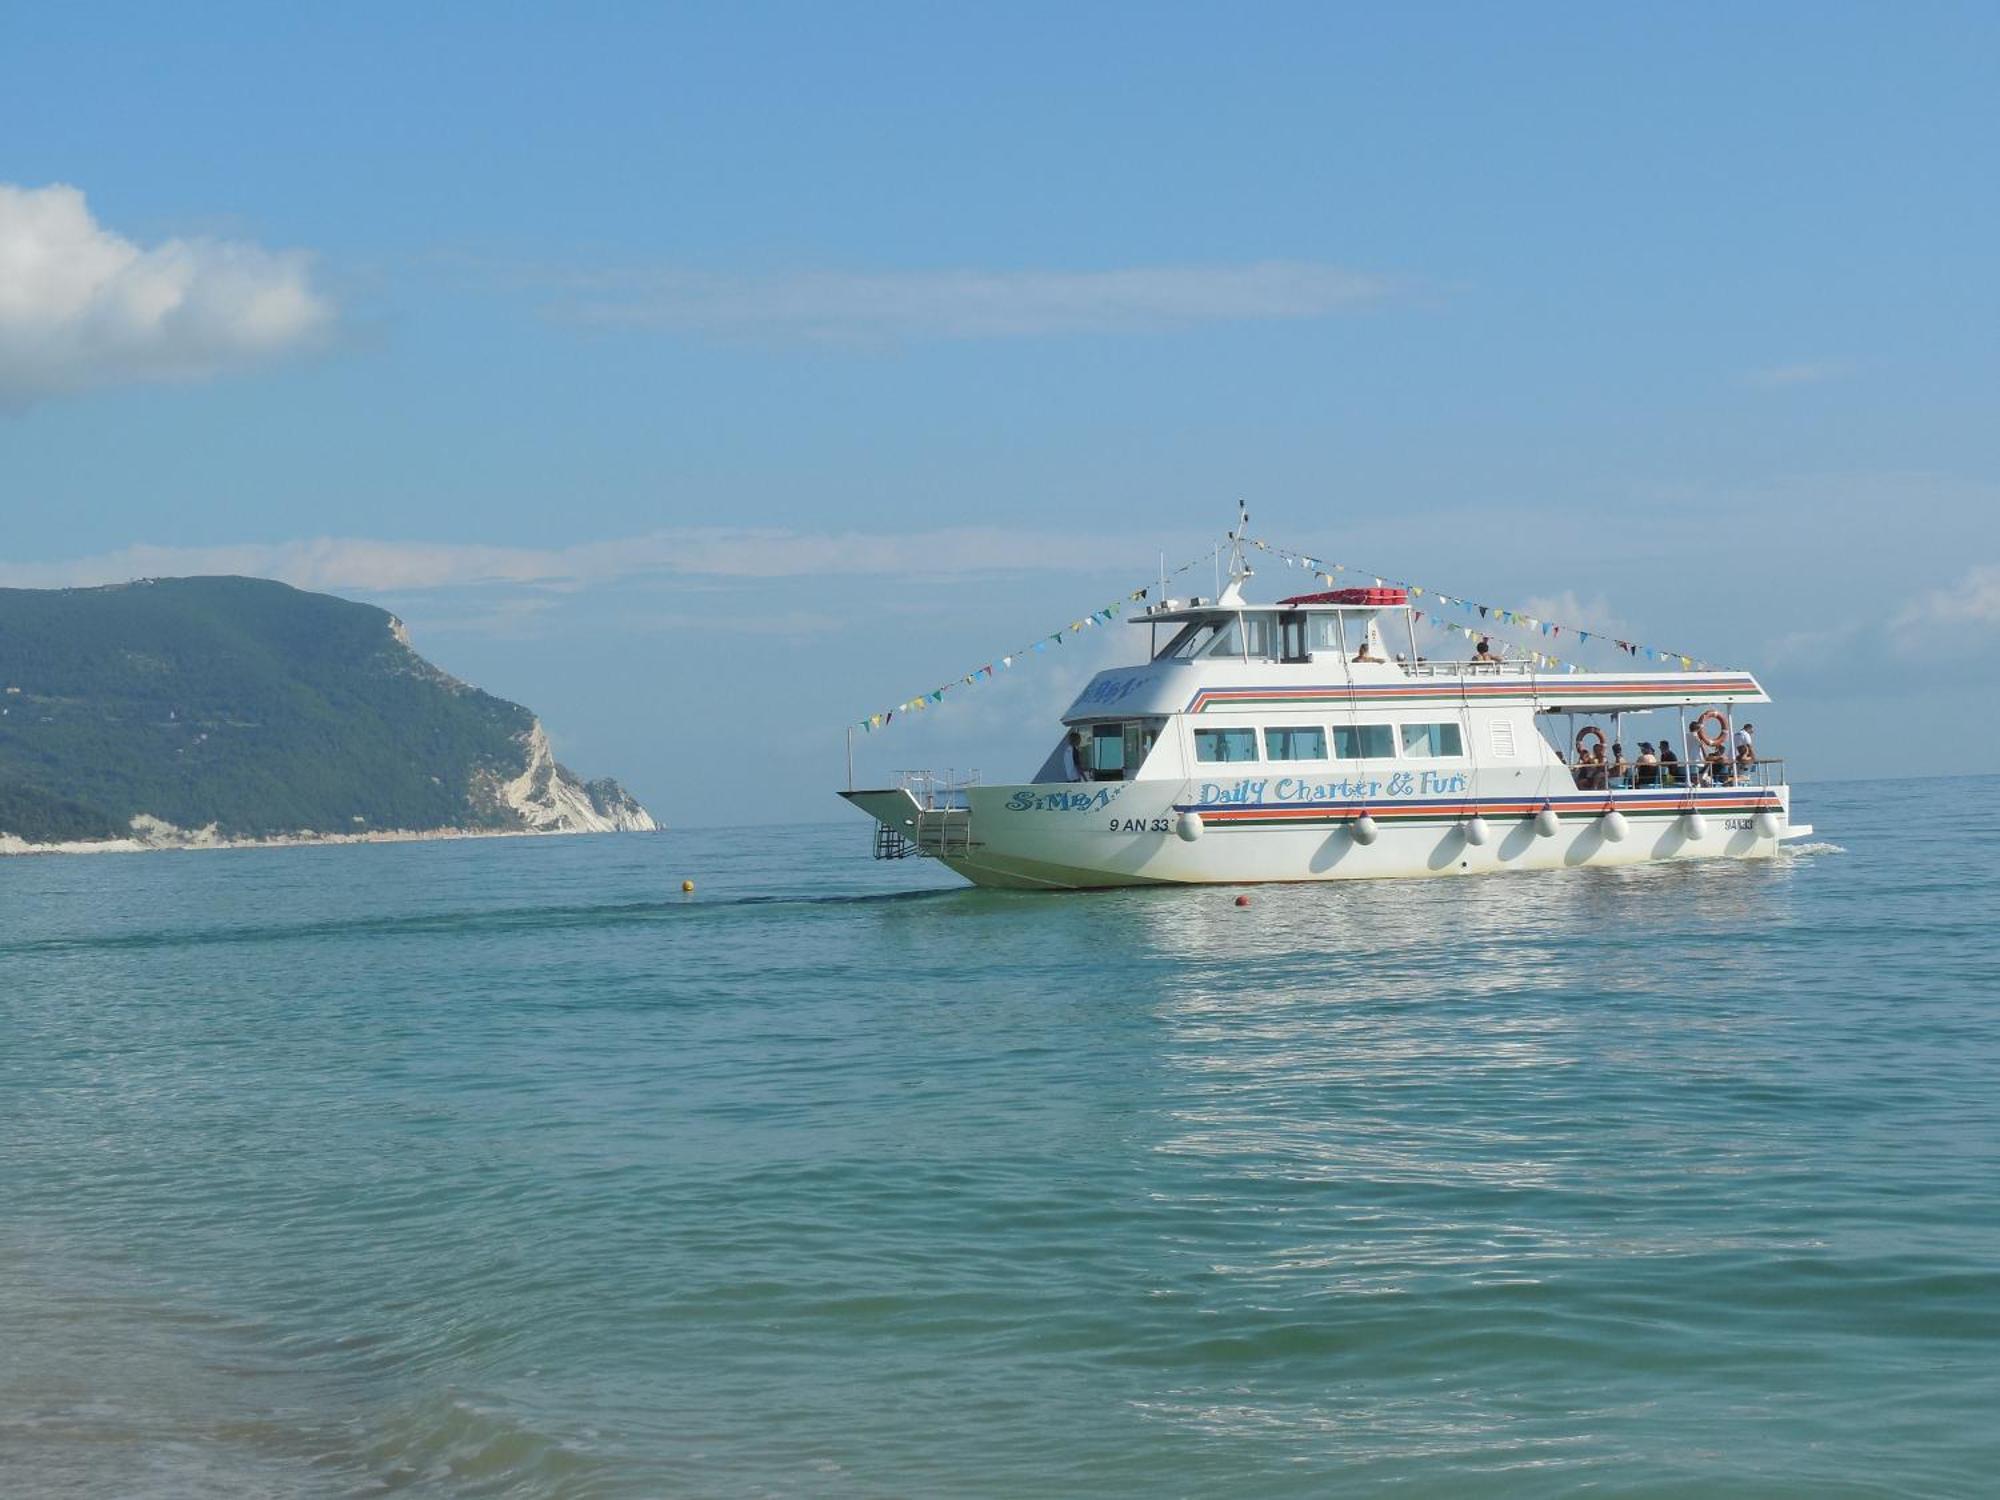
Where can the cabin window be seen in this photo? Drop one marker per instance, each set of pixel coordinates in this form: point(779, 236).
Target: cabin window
point(1363, 742)
point(1292, 638)
point(1118, 750)
point(1251, 628)
point(1107, 751)
point(1323, 632)
point(1191, 641)
point(1225, 744)
point(1433, 741)
point(1295, 742)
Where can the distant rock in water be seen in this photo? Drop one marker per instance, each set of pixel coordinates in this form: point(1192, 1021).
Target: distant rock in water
point(204, 710)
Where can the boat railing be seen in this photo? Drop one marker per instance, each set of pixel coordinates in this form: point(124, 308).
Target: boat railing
point(939, 791)
point(1706, 775)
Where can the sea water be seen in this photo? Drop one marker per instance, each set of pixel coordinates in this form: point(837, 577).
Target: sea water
point(500, 1168)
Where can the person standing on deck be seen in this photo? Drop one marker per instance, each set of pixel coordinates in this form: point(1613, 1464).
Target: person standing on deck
point(1746, 746)
point(1073, 763)
point(1670, 765)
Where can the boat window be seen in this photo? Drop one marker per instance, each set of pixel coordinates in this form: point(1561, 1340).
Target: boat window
point(1323, 632)
point(1190, 641)
point(1107, 751)
point(1432, 741)
point(1363, 742)
point(1225, 744)
point(1295, 742)
point(1292, 638)
point(1253, 628)
point(1118, 750)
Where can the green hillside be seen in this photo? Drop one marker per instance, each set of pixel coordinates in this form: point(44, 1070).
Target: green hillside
point(238, 702)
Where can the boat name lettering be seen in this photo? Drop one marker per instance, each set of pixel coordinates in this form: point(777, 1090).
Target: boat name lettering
point(1075, 802)
point(1113, 689)
point(1346, 789)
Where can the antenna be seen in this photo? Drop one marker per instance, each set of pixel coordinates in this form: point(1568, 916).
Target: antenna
point(1239, 567)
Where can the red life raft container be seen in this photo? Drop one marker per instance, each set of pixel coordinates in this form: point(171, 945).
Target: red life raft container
point(1352, 596)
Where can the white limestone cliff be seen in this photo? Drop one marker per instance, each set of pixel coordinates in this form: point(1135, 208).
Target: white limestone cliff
point(550, 798)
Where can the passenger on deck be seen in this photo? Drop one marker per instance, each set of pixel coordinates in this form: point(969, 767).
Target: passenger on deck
point(1075, 768)
point(1719, 773)
point(1364, 654)
point(1746, 746)
point(1646, 769)
point(1670, 766)
point(1483, 654)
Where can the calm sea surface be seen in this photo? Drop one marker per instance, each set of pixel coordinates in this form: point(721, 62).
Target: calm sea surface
point(499, 1168)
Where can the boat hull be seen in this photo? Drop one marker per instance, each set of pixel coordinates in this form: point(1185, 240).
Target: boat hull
point(1089, 836)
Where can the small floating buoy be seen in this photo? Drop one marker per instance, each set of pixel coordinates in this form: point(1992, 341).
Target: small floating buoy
point(1613, 824)
point(1242, 900)
point(1547, 824)
point(1768, 826)
point(687, 887)
point(1364, 830)
point(1188, 825)
point(1475, 830)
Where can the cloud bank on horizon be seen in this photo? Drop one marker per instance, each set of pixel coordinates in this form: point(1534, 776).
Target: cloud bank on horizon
point(82, 306)
point(375, 566)
point(748, 554)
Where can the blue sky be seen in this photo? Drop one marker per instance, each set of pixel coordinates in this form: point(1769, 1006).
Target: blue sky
point(708, 378)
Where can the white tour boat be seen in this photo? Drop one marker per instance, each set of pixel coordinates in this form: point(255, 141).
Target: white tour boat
point(1306, 739)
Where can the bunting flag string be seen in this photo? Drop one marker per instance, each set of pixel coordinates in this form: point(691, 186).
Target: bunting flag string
point(1326, 570)
point(1101, 616)
point(1490, 617)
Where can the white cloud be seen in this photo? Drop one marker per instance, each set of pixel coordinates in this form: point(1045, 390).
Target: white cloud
point(967, 304)
point(1940, 624)
point(1973, 600)
point(81, 306)
point(372, 566)
point(1594, 614)
point(1802, 372)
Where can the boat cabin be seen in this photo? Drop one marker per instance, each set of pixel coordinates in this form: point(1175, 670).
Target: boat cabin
point(1333, 684)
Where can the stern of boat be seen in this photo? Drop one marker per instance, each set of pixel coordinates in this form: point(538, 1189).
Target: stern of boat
point(923, 814)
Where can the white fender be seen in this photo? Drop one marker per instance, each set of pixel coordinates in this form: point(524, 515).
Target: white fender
point(1188, 825)
point(1694, 825)
point(1613, 825)
point(1364, 830)
point(1768, 825)
point(1475, 830)
point(1547, 824)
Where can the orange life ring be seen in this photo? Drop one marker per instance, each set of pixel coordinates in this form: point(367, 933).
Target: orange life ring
point(1593, 732)
point(1712, 742)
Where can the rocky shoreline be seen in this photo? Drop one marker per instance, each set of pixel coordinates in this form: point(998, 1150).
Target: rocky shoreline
point(162, 837)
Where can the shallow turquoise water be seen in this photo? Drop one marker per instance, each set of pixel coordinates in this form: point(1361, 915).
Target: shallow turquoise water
point(498, 1168)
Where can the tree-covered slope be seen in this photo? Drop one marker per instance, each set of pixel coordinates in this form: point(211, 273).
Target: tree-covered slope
point(241, 703)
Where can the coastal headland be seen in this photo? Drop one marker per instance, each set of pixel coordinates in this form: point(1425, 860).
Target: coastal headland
point(198, 713)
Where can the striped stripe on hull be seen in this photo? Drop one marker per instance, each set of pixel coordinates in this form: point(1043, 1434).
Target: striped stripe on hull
point(1578, 808)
